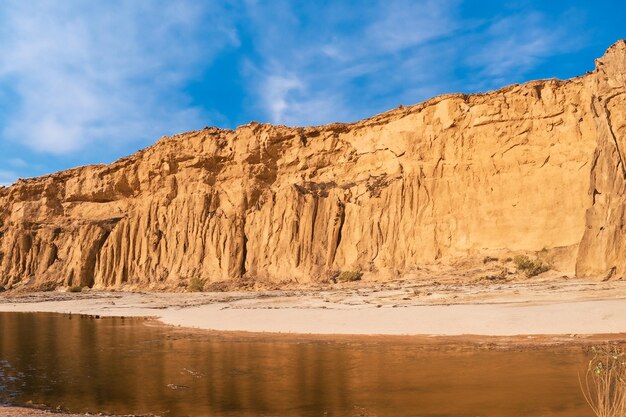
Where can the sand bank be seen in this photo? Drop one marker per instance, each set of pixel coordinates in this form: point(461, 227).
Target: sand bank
point(563, 307)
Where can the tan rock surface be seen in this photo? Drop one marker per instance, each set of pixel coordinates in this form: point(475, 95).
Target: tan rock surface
point(528, 168)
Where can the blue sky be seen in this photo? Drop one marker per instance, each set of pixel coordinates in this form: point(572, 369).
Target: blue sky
point(90, 81)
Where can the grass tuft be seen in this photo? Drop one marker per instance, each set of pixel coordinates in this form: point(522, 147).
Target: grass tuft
point(196, 284)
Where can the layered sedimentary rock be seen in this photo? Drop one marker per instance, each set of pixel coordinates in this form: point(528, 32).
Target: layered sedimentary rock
point(532, 167)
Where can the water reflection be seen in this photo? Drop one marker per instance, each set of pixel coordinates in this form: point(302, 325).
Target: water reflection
point(123, 366)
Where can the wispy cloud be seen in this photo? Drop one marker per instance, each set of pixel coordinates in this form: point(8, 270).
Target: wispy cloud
point(368, 57)
point(84, 73)
point(17, 162)
point(511, 46)
point(402, 24)
point(276, 92)
point(323, 72)
point(7, 177)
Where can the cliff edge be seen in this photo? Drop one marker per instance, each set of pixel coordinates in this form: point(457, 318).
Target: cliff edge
point(528, 168)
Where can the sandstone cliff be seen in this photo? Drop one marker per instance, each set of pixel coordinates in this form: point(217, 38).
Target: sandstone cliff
point(531, 167)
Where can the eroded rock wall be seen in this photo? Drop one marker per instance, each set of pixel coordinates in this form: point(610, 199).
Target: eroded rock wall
point(522, 169)
point(603, 247)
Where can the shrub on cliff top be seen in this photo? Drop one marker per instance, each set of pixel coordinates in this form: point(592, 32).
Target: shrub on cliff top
point(529, 266)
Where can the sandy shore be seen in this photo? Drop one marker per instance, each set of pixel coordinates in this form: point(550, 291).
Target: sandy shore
point(528, 307)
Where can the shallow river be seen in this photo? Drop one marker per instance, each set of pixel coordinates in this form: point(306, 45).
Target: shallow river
point(124, 366)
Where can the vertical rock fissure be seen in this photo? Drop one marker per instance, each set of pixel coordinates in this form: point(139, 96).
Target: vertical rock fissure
point(87, 278)
point(244, 250)
point(342, 220)
point(314, 217)
point(607, 117)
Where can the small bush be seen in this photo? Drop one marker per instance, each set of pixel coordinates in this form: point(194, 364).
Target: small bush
point(529, 266)
point(522, 261)
point(45, 286)
point(76, 288)
point(349, 276)
point(196, 284)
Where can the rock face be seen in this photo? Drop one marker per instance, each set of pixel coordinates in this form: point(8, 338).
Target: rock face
point(531, 167)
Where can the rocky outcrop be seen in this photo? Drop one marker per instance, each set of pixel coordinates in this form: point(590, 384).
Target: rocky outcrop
point(603, 247)
point(531, 167)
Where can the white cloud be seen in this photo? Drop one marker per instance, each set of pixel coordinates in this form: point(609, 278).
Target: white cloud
point(111, 72)
point(277, 91)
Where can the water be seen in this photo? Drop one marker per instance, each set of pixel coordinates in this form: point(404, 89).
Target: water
point(124, 366)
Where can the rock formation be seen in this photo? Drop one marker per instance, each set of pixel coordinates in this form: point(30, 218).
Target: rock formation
point(531, 167)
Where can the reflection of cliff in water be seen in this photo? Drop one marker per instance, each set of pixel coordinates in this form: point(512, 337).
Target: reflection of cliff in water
point(122, 366)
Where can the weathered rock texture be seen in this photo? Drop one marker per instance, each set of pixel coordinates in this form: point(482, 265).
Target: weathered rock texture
point(531, 167)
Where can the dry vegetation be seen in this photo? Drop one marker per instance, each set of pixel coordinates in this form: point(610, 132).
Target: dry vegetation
point(196, 284)
point(530, 267)
point(349, 276)
point(604, 385)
